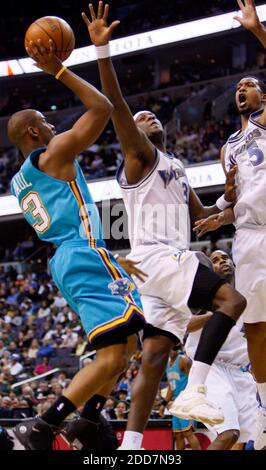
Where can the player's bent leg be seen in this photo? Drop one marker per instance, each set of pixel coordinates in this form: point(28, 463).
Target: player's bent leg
point(225, 440)
point(209, 292)
point(38, 433)
point(90, 430)
point(229, 301)
point(155, 354)
point(156, 350)
point(110, 362)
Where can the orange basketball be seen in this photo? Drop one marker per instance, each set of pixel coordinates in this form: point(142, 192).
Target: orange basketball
point(51, 27)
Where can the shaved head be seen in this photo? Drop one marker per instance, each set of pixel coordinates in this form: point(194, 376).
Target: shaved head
point(28, 129)
point(18, 124)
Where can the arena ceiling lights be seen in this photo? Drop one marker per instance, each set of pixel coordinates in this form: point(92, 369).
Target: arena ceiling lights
point(140, 42)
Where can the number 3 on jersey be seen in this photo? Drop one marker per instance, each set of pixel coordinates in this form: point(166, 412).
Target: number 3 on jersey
point(32, 203)
point(185, 191)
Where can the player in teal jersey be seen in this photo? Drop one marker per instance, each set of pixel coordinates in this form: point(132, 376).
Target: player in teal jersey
point(56, 202)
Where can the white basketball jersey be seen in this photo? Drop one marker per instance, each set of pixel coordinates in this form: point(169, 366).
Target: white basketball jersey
point(247, 149)
point(233, 351)
point(157, 206)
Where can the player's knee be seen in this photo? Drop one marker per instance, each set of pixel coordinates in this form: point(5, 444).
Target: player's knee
point(115, 364)
point(232, 303)
point(238, 303)
point(229, 438)
point(155, 354)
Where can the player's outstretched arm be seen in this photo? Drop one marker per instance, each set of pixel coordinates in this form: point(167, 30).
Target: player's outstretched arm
point(215, 221)
point(138, 151)
point(63, 148)
point(198, 211)
point(250, 20)
point(198, 321)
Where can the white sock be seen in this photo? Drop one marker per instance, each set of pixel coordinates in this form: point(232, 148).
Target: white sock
point(262, 393)
point(198, 373)
point(132, 440)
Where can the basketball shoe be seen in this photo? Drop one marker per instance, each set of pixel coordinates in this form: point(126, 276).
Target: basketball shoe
point(260, 429)
point(81, 433)
point(192, 403)
point(36, 434)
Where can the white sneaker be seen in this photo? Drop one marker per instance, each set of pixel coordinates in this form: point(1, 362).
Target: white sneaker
point(260, 429)
point(193, 404)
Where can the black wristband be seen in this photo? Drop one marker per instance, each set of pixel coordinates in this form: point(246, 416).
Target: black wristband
point(164, 402)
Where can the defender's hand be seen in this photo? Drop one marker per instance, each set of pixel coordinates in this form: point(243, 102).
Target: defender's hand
point(213, 222)
point(130, 267)
point(45, 60)
point(99, 32)
point(250, 19)
point(230, 186)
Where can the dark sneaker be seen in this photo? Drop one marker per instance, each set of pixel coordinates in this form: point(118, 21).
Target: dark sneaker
point(83, 434)
point(35, 434)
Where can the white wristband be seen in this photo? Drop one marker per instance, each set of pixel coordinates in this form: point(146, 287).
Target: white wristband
point(222, 204)
point(102, 52)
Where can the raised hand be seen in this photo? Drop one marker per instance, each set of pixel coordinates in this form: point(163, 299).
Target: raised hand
point(213, 222)
point(45, 60)
point(250, 19)
point(99, 32)
point(230, 186)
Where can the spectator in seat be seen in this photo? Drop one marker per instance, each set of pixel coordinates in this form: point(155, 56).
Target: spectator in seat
point(43, 367)
point(80, 346)
point(70, 339)
point(46, 350)
point(33, 349)
point(121, 410)
point(16, 367)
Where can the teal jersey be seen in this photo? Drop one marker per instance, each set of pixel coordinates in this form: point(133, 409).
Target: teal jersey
point(59, 211)
point(176, 378)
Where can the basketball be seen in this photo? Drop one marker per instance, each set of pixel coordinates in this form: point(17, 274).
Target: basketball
point(57, 29)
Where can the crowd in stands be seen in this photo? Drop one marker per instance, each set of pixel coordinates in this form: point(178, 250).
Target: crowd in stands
point(192, 144)
point(197, 144)
point(39, 332)
point(20, 252)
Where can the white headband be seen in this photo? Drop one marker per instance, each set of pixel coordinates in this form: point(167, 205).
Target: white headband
point(135, 117)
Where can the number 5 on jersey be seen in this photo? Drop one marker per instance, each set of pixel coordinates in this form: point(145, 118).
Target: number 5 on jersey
point(32, 203)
